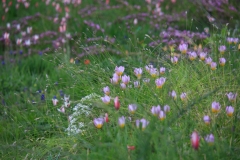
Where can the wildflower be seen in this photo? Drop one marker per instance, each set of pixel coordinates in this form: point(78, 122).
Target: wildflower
point(86, 61)
point(115, 79)
point(98, 122)
point(229, 40)
point(19, 41)
point(207, 119)
point(28, 42)
point(123, 86)
point(192, 55)
point(116, 103)
point(235, 40)
point(146, 80)
point(183, 48)
point(229, 110)
point(174, 60)
point(222, 49)
point(67, 104)
point(135, 21)
point(106, 118)
point(132, 108)
point(119, 70)
point(66, 98)
point(213, 66)
point(162, 70)
point(106, 99)
point(6, 36)
point(130, 147)
point(162, 115)
point(156, 110)
point(138, 72)
point(208, 61)
point(54, 100)
point(153, 72)
point(222, 61)
point(42, 97)
point(183, 96)
point(202, 55)
point(62, 109)
point(143, 123)
point(209, 139)
point(173, 95)
point(148, 67)
point(8, 25)
point(106, 90)
point(195, 140)
point(125, 79)
point(216, 107)
point(160, 82)
point(136, 84)
point(18, 26)
point(121, 121)
point(166, 108)
point(231, 96)
point(29, 30)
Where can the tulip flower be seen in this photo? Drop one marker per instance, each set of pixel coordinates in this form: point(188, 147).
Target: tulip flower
point(222, 61)
point(216, 107)
point(116, 103)
point(98, 122)
point(143, 123)
point(106, 90)
point(173, 94)
point(183, 48)
point(156, 110)
point(206, 119)
point(114, 79)
point(162, 115)
point(213, 66)
point(192, 55)
point(229, 110)
point(222, 49)
point(106, 119)
point(153, 72)
point(106, 99)
point(231, 96)
point(162, 70)
point(119, 70)
point(183, 96)
point(195, 140)
point(208, 61)
point(229, 40)
point(132, 108)
point(235, 40)
point(136, 84)
point(174, 60)
point(138, 72)
point(209, 139)
point(123, 86)
point(130, 147)
point(148, 67)
point(125, 79)
point(121, 121)
point(160, 82)
point(202, 55)
point(166, 108)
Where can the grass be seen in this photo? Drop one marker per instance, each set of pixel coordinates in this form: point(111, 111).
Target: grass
point(33, 128)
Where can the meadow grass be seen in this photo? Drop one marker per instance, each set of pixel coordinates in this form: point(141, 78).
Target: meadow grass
point(33, 128)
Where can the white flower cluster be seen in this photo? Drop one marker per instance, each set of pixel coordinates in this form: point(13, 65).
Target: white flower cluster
point(81, 110)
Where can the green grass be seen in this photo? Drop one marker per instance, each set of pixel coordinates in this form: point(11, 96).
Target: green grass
point(32, 128)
